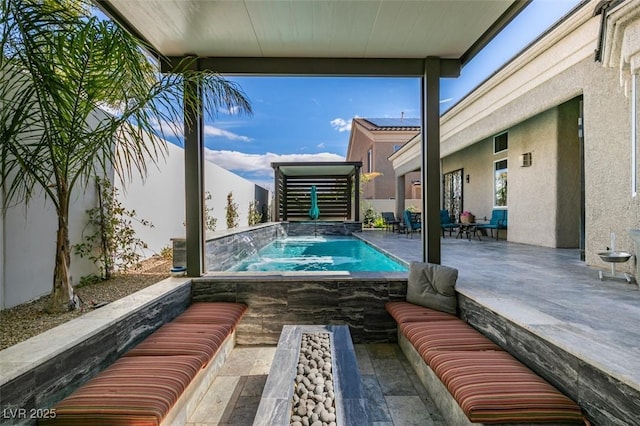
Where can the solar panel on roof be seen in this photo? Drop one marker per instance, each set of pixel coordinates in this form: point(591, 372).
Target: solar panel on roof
point(395, 122)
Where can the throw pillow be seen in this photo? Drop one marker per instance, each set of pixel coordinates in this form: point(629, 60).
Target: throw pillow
point(433, 286)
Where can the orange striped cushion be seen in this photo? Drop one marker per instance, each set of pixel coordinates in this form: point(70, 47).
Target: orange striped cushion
point(430, 337)
point(493, 387)
point(213, 313)
point(408, 312)
point(132, 391)
point(200, 340)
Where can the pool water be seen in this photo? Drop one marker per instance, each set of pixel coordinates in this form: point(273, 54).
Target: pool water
point(319, 254)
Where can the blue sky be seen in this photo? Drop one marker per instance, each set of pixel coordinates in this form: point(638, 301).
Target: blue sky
point(309, 118)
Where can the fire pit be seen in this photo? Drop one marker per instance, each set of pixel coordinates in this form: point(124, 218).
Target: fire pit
point(344, 388)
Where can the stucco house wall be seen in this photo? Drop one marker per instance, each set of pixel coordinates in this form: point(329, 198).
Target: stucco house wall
point(541, 86)
point(382, 143)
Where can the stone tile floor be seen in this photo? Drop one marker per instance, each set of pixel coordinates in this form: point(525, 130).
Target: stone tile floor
point(395, 395)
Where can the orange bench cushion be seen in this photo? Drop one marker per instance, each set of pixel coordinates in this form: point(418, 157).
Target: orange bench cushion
point(408, 312)
point(136, 391)
point(200, 340)
point(213, 313)
point(493, 387)
point(430, 337)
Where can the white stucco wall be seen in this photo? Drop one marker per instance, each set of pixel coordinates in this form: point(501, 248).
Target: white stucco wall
point(28, 236)
point(29, 242)
point(160, 198)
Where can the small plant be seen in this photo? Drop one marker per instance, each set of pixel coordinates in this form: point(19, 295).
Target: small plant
point(467, 217)
point(113, 244)
point(378, 222)
point(166, 252)
point(210, 222)
point(254, 216)
point(369, 217)
point(88, 280)
point(232, 212)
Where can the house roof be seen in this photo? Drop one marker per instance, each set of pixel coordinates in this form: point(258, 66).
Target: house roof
point(318, 168)
point(321, 37)
point(390, 124)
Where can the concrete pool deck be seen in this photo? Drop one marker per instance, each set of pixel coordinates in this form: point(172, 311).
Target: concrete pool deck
point(550, 292)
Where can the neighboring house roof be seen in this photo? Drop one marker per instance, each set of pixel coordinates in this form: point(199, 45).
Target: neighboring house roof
point(386, 124)
point(397, 130)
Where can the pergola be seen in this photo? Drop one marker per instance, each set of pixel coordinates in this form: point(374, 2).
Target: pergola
point(337, 183)
point(396, 38)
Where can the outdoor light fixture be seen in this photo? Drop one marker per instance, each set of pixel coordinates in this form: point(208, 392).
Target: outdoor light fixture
point(468, 178)
point(525, 159)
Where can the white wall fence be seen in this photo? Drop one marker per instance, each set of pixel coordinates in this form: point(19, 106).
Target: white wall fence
point(28, 235)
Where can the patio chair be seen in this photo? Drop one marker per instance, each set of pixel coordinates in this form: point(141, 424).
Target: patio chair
point(390, 221)
point(446, 223)
point(499, 220)
point(411, 223)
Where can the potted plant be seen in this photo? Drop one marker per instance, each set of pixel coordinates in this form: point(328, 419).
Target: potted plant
point(467, 217)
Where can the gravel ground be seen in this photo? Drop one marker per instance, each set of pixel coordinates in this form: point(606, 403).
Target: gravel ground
point(29, 319)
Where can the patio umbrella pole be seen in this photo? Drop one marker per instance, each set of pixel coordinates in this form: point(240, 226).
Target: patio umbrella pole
point(314, 211)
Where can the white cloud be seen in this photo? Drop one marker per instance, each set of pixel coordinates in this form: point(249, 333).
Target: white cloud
point(210, 130)
point(444, 101)
point(320, 145)
point(260, 164)
point(341, 125)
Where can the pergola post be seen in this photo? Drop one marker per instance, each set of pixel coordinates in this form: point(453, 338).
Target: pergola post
point(356, 197)
point(194, 183)
point(431, 161)
point(400, 192)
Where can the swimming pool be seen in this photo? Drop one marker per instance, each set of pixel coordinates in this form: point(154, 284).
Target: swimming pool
point(320, 253)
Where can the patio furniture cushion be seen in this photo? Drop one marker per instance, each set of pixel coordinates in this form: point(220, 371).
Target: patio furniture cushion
point(409, 312)
point(200, 340)
point(431, 337)
point(213, 313)
point(493, 387)
point(132, 391)
point(432, 286)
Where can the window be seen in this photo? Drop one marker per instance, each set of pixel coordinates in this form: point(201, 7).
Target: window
point(500, 143)
point(370, 160)
point(500, 183)
point(635, 134)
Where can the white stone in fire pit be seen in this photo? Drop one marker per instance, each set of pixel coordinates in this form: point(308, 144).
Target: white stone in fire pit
point(276, 402)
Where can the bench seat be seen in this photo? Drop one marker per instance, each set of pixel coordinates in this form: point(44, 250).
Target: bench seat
point(408, 312)
point(430, 338)
point(472, 380)
point(132, 391)
point(212, 313)
point(493, 387)
point(199, 340)
point(160, 380)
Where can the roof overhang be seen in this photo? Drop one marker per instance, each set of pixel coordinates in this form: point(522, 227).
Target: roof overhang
point(318, 168)
point(316, 37)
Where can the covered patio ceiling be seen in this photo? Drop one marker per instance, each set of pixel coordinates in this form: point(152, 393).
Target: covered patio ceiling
point(321, 37)
point(429, 39)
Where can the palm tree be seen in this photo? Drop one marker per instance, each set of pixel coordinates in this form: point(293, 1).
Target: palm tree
point(60, 71)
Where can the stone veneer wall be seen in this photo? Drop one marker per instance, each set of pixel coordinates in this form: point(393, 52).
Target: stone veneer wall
point(48, 367)
point(229, 248)
point(321, 228)
point(353, 299)
point(605, 399)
